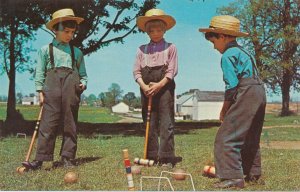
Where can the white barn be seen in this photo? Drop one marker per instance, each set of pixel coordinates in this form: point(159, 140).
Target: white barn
point(30, 100)
point(120, 108)
point(200, 105)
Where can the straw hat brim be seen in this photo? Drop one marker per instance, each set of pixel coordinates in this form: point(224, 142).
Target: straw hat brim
point(51, 23)
point(142, 20)
point(224, 31)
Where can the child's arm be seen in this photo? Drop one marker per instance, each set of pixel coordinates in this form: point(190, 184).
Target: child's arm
point(143, 86)
point(40, 72)
point(82, 73)
point(226, 106)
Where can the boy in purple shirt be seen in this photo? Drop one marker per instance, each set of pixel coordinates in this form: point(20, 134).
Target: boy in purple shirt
point(154, 70)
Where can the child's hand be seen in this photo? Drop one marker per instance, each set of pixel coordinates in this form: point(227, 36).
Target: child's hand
point(154, 88)
point(145, 89)
point(82, 86)
point(41, 95)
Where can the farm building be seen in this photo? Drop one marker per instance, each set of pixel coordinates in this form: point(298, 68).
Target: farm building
point(30, 100)
point(200, 105)
point(120, 108)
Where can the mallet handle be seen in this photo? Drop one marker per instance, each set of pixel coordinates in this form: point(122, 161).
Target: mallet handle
point(147, 126)
point(34, 135)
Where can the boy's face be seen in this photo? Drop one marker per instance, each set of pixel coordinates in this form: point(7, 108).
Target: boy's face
point(219, 43)
point(65, 35)
point(156, 34)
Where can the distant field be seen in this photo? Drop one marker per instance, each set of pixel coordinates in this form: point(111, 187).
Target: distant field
point(103, 115)
point(86, 113)
point(276, 107)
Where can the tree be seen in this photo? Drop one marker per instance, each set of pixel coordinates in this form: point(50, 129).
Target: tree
point(17, 29)
point(106, 99)
point(103, 25)
point(91, 99)
point(115, 93)
point(274, 39)
point(106, 21)
point(19, 97)
point(129, 98)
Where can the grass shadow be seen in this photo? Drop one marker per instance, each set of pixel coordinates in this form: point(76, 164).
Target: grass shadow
point(91, 130)
point(77, 161)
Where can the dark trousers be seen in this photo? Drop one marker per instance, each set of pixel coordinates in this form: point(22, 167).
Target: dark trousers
point(60, 111)
point(161, 124)
point(237, 150)
point(162, 119)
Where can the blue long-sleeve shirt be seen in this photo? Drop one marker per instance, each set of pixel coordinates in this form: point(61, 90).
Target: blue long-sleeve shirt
point(62, 58)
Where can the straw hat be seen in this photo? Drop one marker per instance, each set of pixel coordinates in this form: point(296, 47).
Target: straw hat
point(154, 14)
point(63, 15)
point(225, 24)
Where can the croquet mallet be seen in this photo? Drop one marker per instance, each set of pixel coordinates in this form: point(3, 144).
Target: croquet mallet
point(145, 161)
point(26, 162)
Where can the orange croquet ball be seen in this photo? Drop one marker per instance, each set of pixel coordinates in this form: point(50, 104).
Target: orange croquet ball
point(71, 177)
point(179, 174)
point(21, 169)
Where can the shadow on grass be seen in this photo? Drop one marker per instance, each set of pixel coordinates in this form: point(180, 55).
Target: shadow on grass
point(77, 162)
point(92, 130)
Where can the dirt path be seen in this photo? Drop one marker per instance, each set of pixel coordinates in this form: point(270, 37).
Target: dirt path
point(281, 145)
point(130, 120)
point(280, 126)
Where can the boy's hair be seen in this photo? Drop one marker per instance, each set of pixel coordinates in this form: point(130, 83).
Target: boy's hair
point(155, 23)
point(65, 24)
point(209, 35)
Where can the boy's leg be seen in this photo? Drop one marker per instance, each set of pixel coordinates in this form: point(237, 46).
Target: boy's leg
point(70, 106)
point(50, 120)
point(231, 136)
point(166, 124)
point(251, 157)
point(152, 147)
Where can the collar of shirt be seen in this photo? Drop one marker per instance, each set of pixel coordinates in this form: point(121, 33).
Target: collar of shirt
point(161, 42)
point(57, 43)
point(231, 44)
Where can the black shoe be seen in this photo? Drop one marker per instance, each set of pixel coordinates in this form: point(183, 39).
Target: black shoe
point(67, 163)
point(170, 161)
point(34, 165)
point(230, 183)
point(254, 179)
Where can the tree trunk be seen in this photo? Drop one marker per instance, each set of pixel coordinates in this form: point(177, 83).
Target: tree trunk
point(11, 103)
point(285, 90)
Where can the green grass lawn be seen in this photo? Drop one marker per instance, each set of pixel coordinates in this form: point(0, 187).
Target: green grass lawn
point(86, 114)
point(101, 167)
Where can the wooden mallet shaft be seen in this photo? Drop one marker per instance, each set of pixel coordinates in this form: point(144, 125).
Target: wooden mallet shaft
point(147, 126)
point(34, 135)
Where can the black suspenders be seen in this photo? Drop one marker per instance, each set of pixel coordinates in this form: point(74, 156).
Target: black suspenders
point(52, 56)
point(254, 69)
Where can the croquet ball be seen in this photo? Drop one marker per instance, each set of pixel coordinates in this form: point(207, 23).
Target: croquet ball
point(21, 169)
point(71, 177)
point(136, 169)
point(209, 171)
point(179, 174)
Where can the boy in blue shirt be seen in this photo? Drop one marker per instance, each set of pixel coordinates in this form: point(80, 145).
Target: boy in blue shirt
point(60, 79)
point(237, 150)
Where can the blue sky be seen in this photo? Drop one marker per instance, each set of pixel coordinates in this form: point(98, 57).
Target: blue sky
point(199, 63)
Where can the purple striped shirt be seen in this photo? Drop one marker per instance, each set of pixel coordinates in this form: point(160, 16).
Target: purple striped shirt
point(156, 54)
